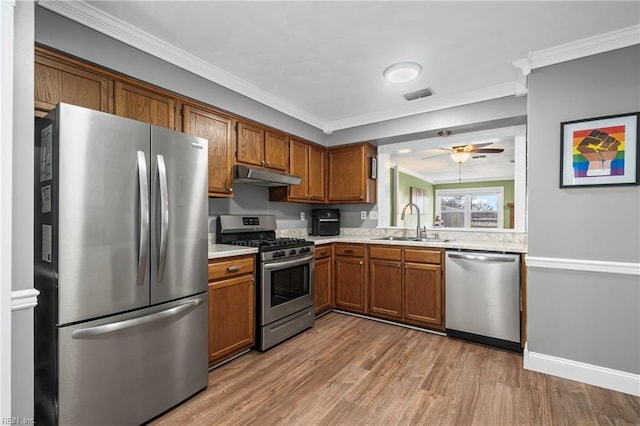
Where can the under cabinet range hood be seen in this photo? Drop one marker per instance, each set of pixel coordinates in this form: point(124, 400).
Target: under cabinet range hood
point(263, 177)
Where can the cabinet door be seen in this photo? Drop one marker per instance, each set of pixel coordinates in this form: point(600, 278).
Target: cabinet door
point(317, 173)
point(217, 129)
point(322, 284)
point(385, 288)
point(350, 292)
point(144, 105)
point(299, 166)
point(346, 174)
point(231, 316)
point(57, 81)
point(423, 294)
point(250, 144)
point(276, 151)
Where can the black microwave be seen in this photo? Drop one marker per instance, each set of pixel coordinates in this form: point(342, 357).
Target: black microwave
point(325, 222)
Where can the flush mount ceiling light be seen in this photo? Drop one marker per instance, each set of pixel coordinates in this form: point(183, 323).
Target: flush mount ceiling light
point(444, 133)
point(402, 72)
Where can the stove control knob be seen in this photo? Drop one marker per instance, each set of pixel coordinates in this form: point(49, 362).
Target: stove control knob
point(292, 252)
point(281, 253)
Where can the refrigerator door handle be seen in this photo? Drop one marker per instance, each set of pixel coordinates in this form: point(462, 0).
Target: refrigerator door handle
point(85, 333)
point(164, 216)
point(143, 250)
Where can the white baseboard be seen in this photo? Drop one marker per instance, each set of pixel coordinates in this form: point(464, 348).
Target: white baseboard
point(603, 377)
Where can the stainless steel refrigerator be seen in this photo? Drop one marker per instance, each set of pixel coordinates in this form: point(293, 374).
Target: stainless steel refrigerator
point(121, 266)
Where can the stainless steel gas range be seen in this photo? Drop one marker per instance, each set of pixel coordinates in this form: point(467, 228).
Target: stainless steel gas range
point(285, 293)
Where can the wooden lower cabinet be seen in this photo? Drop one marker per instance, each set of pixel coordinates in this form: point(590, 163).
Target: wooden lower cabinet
point(385, 288)
point(231, 307)
point(423, 294)
point(323, 279)
point(405, 284)
point(350, 278)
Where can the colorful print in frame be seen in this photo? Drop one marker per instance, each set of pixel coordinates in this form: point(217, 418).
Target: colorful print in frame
point(600, 151)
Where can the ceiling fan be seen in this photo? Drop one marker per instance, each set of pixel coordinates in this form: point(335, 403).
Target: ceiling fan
point(462, 153)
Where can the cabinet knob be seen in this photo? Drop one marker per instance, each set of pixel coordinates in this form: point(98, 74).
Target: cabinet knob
point(362, 197)
point(262, 162)
point(268, 163)
point(399, 265)
point(230, 189)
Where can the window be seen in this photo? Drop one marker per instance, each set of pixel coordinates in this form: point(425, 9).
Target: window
point(470, 207)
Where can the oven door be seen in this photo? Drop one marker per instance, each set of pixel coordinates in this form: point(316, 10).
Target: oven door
point(286, 287)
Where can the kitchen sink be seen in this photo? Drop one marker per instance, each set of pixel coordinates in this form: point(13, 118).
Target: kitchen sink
point(394, 238)
point(424, 240)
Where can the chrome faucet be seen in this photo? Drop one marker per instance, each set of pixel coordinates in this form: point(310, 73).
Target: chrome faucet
point(418, 209)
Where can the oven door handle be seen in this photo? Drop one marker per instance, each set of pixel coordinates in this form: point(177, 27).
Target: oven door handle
point(288, 263)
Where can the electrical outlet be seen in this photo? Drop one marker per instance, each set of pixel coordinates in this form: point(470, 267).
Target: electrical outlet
point(363, 215)
point(373, 215)
point(302, 216)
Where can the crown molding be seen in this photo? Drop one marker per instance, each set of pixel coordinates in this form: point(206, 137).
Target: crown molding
point(425, 105)
point(113, 27)
point(601, 43)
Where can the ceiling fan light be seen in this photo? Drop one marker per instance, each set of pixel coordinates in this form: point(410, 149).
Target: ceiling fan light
point(460, 156)
point(402, 72)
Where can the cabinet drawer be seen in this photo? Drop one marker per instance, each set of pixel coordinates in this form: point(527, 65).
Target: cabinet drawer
point(231, 267)
point(423, 256)
point(380, 252)
point(349, 250)
point(323, 251)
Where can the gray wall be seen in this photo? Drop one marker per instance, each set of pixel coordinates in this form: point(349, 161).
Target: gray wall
point(249, 199)
point(22, 211)
point(587, 317)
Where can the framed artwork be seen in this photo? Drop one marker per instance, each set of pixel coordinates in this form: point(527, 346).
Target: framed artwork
point(419, 198)
point(600, 151)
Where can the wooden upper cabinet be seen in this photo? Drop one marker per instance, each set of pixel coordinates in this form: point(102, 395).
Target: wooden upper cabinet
point(307, 161)
point(349, 174)
point(260, 147)
point(317, 173)
point(57, 80)
point(145, 105)
point(276, 151)
point(250, 144)
point(218, 130)
point(299, 166)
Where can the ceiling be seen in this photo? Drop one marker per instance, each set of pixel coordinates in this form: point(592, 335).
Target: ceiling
point(322, 61)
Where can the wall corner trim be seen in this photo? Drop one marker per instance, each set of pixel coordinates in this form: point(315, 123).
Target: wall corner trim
point(607, 267)
point(619, 381)
point(24, 299)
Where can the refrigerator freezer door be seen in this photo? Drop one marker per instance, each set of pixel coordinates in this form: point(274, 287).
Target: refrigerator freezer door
point(129, 368)
point(179, 212)
point(101, 178)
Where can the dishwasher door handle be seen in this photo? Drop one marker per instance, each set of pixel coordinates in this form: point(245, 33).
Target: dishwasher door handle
point(481, 258)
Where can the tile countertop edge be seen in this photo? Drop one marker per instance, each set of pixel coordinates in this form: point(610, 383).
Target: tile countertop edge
point(464, 245)
point(217, 251)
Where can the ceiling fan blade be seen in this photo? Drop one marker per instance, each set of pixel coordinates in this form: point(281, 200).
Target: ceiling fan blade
point(471, 145)
point(433, 156)
point(489, 150)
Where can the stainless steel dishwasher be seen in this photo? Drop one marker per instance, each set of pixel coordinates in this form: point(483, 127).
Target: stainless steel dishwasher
point(483, 297)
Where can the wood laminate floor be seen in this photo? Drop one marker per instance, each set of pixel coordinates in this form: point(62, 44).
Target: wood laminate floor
point(353, 371)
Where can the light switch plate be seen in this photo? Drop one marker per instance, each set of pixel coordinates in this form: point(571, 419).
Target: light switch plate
point(363, 215)
point(302, 216)
point(373, 215)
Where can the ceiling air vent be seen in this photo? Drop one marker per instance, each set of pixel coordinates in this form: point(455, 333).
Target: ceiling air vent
point(418, 94)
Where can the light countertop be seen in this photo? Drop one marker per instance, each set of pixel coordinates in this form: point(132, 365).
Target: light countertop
point(225, 250)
